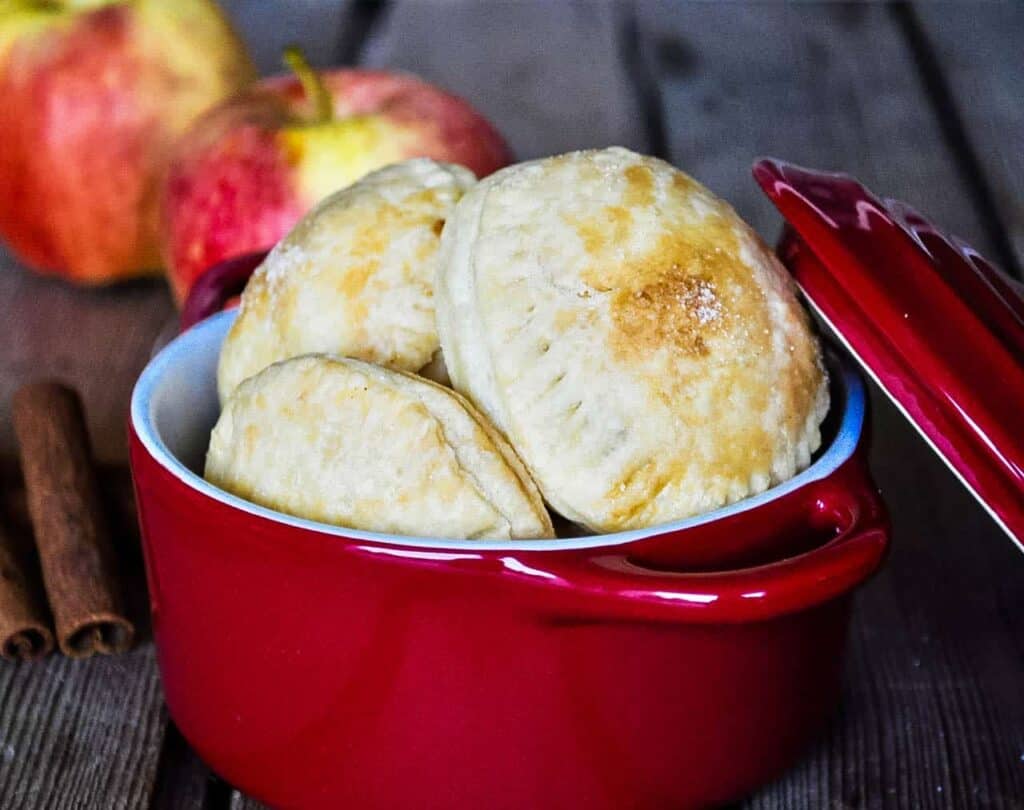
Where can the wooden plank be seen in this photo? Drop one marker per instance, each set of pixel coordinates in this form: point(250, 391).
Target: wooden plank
point(828, 86)
point(88, 733)
point(933, 714)
point(980, 49)
point(551, 76)
point(240, 802)
point(183, 780)
point(98, 340)
point(80, 734)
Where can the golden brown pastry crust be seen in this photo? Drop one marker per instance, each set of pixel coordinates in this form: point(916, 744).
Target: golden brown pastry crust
point(354, 277)
point(350, 443)
point(636, 342)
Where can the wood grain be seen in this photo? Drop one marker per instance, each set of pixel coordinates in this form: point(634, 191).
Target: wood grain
point(95, 340)
point(184, 782)
point(551, 76)
point(240, 802)
point(980, 51)
point(80, 734)
point(829, 86)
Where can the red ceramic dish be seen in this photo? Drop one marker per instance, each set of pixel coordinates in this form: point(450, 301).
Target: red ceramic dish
point(936, 325)
point(320, 667)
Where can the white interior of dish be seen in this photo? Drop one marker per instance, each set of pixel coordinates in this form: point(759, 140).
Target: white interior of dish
point(174, 407)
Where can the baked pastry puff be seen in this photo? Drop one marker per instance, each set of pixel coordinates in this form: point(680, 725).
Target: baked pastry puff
point(355, 277)
point(635, 341)
point(354, 444)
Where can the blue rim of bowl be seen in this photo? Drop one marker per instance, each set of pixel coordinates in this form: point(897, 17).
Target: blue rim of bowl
point(844, 443)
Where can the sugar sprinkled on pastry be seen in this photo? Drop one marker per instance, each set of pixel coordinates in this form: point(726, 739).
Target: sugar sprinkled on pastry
point(350, 443)
point(635, 341)
point(354, 277)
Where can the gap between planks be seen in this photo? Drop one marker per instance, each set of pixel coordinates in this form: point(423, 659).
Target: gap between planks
point(954, 129)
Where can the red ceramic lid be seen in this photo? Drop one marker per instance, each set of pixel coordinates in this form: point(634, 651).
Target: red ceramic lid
point(936, 325)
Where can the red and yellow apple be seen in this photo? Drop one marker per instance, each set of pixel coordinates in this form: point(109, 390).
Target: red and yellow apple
point(252, 166)
point(92, 95)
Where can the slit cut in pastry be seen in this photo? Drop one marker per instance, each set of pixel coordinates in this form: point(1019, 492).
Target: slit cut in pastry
point(634, 340)
point(350, 443)
point(354, 277)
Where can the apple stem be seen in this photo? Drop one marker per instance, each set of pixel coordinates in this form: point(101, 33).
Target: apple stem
point(312, 84)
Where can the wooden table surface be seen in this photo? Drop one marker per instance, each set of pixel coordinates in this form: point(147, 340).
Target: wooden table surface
point(922, 102)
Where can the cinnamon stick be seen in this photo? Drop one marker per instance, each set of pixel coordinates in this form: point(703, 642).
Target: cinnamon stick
point(75, 552)
point(24, 630)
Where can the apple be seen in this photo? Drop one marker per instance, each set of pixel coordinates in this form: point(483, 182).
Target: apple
point(251, 167)
point(94, 93)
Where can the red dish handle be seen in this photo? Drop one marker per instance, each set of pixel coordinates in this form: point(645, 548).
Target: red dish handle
point(217, 285)
point(610, 582)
